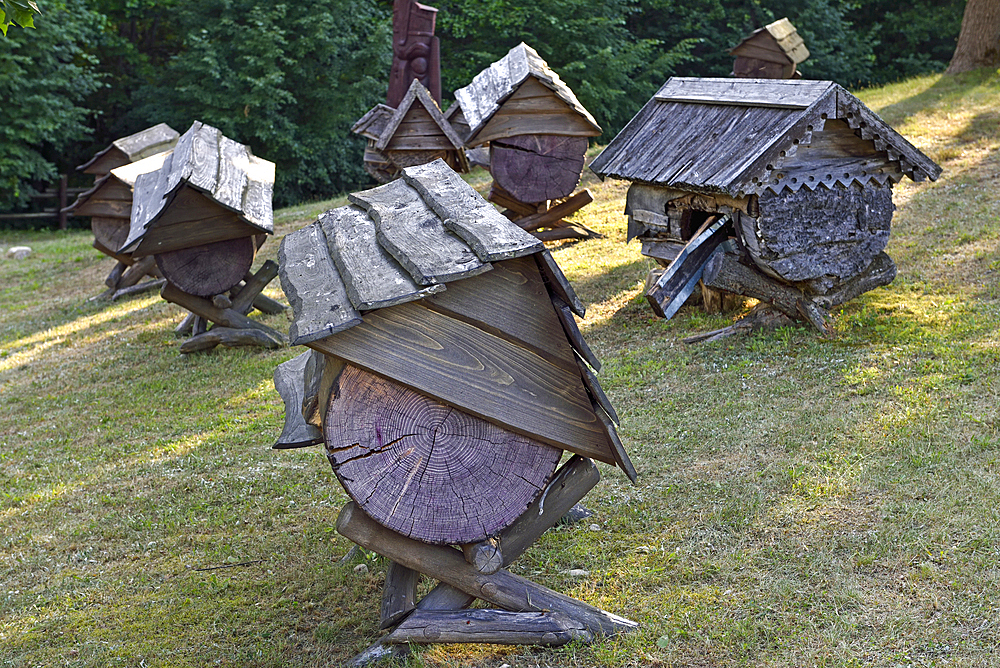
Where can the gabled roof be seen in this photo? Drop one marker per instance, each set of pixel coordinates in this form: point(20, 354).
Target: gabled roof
point(403, 283)
point(784, 35)
point(491, 87)
point(125, 174)
point(418, 94)
point(373, 123)
point(140, 145)
point(733, 136)
point(225, 171)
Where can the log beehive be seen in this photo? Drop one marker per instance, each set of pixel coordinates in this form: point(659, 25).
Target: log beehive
point(772, 52)
point(452, 370)
point(803, 171)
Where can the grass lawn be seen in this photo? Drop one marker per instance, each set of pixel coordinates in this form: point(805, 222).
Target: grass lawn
point(802, 501)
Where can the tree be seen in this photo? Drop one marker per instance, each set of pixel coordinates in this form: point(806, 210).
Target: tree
point(17, 12)
point(979, 40)
point(44, 79)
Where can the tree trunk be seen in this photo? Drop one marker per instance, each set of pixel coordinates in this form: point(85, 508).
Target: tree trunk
point(979, 41)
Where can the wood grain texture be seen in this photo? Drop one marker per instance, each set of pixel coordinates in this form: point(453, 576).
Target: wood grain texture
point(573, 333)
point(537, 167)
point(477, 372)
point(233, 161)
point(109, 232)
point(155, 139)
point(503, 589)
point(373, 278)
point(315, 290)
point(245, 298)
point(289, 381)
point(209, 269)
point(676, 284)
point(414, 235)
point(399, 594)
point(791, 94)
point(551, 217)
point(510, 302)
point(190, 219)
point(426, 470)
point(231, 338)
point(557, 283)
point(548, 629)
point(465, 213)
point(205, 309)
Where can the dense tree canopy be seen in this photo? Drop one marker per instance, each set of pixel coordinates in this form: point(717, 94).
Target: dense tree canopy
point(289, 79)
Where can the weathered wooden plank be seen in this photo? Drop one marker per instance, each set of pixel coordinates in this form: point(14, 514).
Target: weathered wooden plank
point(190, 219)
point(503, 589)
point(573, 333)
point(549, 629)
point(418, 102)
point(234, 160)
point(468, 215)
point(202, 168)
point(373, 278)
point(231, 337)
point(677, 283)
point(147, 201)
point(160, 137)
point(399, 594)
point(257, 208)
point(247, 296)
point(138, 288)
point(511, 302)
point(320, 305)
point(595, 390)
point(785, 94)
point(289, 381)
point(475, 371)
point(415, 236)
point(557, 283)
point(617, 448)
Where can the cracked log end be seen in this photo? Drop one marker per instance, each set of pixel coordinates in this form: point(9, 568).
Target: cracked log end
point(425, 469)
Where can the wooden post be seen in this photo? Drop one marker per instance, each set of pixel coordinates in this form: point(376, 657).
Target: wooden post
point(63, 187)
point(399, 596)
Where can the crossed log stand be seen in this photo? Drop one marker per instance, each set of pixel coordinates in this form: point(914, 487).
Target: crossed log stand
point(126, 278)
point(521, 612)
point(545, 219)
point(227, 311)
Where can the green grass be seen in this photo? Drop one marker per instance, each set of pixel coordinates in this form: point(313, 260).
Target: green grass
point(802, 501)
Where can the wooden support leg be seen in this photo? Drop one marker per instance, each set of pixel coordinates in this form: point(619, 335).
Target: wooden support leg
point(568, 486)
point(137, 271)
point(116, 275)
point(399, 596)
point(139, 288)
point(244, 299)
point(503, 589)
point(224, 317)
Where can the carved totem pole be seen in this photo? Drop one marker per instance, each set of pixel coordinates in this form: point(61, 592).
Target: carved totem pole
point(416, 52)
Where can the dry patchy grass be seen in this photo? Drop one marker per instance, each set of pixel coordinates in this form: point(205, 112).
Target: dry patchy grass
point(801, 501)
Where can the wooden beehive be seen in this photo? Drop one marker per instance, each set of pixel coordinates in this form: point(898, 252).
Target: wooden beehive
point(414, 133)
point(423, 297)
point(133, 148)
point(446, 376)
point(802, 170)
point(772, 52)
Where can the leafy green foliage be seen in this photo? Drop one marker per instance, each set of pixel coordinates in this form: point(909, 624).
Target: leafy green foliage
point(45, 76)
point(17, 12)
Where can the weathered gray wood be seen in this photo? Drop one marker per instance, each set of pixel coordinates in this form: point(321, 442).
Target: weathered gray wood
point(143, 267)
point(265, 304)
point(724, 271)
point(882, 271)
point(486, 555)
point(257, 208)
point(594, 389)
point(417, 94)
point(479, 373)
point(373, 123)
point(244, 300)
point(792, 94)
point(147, 201)
point(146, 142)
point(761, 316)
point(573, 333)
point(426, 470)
point(415, 236)
point(502, 588)
point(234, 160)
point(116, 274)
point(185, 325)
point(490, 626)
point(677, 283)
point(231, 338)
point(319, 300)
point(568, 486)
point(221, 317)
point(138, 288)
point(664, 252)
point(199, 326)
point(202, 167)
point(617, 448)
point(289, 381)
point(549, 217)
point(399, 594)
point(468, 215)
point(208, 269)
point(372, 277)
point(222, 301)
point(823, 234)
point(557, 283)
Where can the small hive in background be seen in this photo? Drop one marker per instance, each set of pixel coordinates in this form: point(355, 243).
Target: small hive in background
point(772, 52)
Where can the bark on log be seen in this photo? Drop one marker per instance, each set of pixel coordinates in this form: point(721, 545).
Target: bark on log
point(724, 271)
point(485, 556)
point(534, 168)
point(882, 271)
point(399, 595)
point(503, 589)
point(425, 469)
point(490, 626)
point(209, 269)
point(230, 338)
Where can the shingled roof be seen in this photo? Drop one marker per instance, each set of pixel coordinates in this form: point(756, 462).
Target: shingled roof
point(734, 136)
point(489, 89)
point(224, 171)
point(135, 147)
point(423, 281)
point(784, 36)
